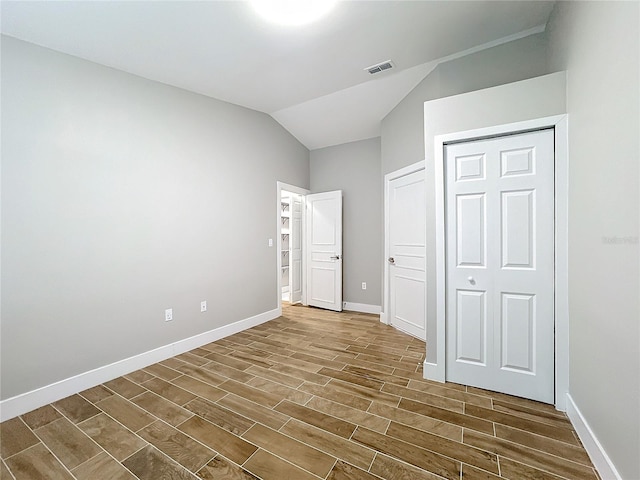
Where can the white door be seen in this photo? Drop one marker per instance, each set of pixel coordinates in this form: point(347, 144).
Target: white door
point(407, 247)
point(324, 250)
point(295, 249)
point(500, 264)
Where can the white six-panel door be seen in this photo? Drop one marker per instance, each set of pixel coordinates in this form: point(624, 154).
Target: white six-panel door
point(407, 248)
point(324, 250)
point(500, 264)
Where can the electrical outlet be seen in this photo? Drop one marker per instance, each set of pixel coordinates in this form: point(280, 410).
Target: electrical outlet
point(168, 314)
point(270, 242)
point(364, 285)
point(203, 306)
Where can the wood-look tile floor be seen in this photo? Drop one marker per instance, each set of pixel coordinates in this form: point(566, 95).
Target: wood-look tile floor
point(312, 394)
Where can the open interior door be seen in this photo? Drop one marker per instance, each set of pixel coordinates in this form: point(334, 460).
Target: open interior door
point(407, 253)
point(324, 250)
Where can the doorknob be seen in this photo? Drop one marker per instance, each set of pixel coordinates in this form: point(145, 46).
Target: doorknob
point(471, 280)
point(392, 260)
point(335, 257)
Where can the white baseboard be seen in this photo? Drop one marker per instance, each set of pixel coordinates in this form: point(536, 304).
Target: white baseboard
point(598, 456)
point(23, 403)
point(431, 371)
point(362, 308)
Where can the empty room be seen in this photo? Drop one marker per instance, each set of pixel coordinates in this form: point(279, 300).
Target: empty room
point(320, 240)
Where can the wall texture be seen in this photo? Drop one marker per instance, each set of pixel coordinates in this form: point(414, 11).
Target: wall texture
point(122, 197)
point(598, 44)
point(403, 128)
point(354, 168)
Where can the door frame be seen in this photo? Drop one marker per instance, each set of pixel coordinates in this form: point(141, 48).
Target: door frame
point(278, 243)
point(388, 178)
point(437, 371)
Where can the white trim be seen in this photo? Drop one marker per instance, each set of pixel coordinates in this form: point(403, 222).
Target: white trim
point(408, 170)
point(23, 403)
point(430, 371)
point(280, 186)
point(362, 307)
point(597, 454)
point(562, 261)
point(437, 371)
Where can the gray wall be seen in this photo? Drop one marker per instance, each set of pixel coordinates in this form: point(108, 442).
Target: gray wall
point(122, 197)
point(354, 168)
point(597, 43)
point(402, 130)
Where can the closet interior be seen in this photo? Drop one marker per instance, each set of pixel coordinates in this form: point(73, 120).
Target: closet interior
point(285, 232)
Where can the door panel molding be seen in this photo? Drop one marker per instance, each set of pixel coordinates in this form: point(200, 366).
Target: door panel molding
point(435, 369)
point(517, 225)
point(410, 257)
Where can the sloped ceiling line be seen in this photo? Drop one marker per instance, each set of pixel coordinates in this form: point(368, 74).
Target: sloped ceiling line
point(311, 80)
point(356, 113)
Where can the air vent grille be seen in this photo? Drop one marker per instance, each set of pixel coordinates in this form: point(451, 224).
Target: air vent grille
point(380, 67)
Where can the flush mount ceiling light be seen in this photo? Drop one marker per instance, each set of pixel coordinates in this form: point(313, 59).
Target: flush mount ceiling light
point(292, 12)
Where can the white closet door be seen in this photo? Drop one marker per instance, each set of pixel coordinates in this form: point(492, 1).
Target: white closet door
point(500, 264)
point(324, 250)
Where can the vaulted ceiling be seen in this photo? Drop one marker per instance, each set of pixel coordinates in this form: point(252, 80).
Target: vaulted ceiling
point(311, 79)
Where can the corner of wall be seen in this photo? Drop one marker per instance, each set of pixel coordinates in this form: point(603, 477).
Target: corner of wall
point(601, 461)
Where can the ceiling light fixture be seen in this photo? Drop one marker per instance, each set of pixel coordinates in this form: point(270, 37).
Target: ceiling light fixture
point(293, 12)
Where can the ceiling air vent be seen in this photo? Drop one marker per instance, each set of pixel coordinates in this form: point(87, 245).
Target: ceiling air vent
point(380, 67)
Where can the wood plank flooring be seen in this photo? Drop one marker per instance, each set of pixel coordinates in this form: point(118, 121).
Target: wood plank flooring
point(310, 395)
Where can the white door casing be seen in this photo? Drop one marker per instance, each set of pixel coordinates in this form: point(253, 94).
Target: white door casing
point(323, 247)
point(406, 224)
point(500, 264)
point(295, 249)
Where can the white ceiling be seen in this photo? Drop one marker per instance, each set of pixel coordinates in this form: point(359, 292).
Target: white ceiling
point(310, 79)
